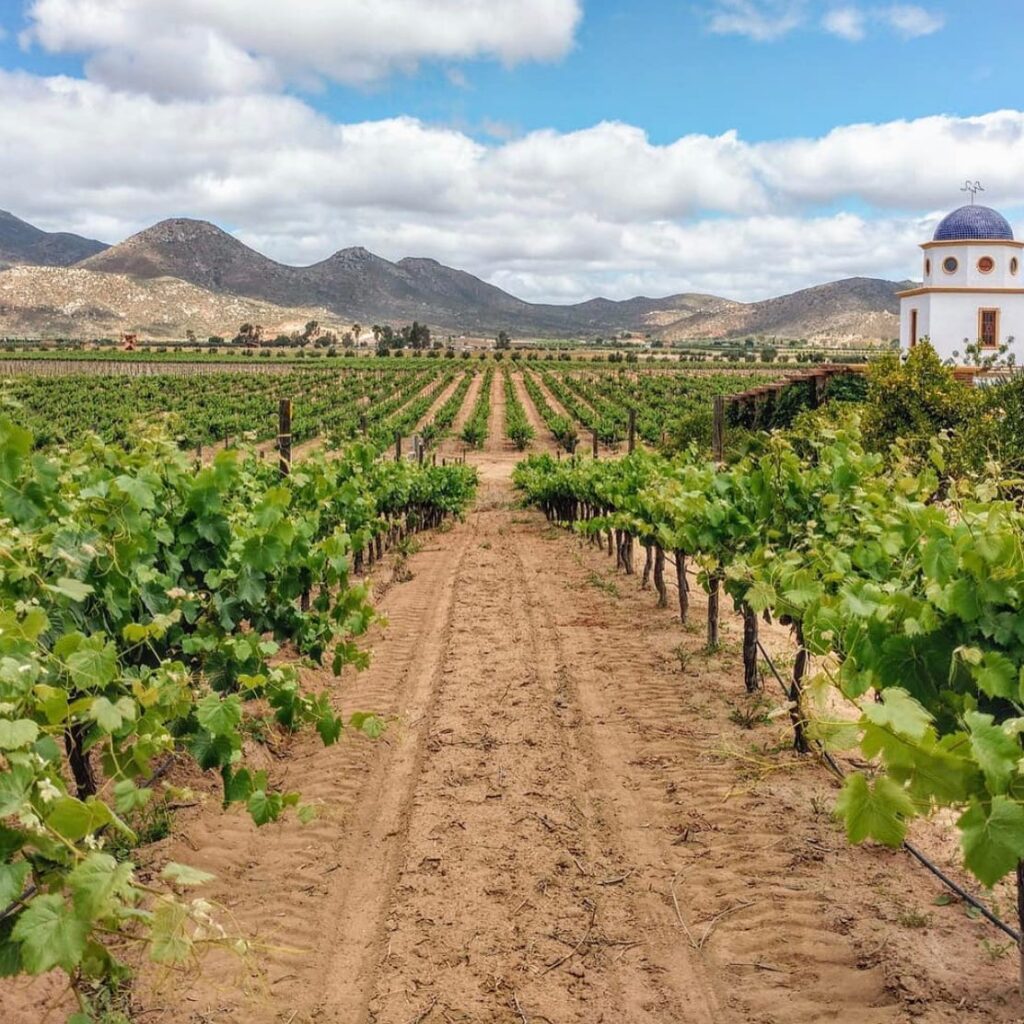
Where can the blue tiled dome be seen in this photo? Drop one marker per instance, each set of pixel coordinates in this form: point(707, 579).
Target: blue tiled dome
point(973, 222)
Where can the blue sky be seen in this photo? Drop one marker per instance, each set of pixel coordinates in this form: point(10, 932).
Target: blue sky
point(556, 147)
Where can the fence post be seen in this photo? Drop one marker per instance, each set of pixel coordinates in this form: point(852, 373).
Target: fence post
point(718, 428)
point(284, 435)
point(632, 431)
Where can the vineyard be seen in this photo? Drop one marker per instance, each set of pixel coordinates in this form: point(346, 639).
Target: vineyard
point(416, 690)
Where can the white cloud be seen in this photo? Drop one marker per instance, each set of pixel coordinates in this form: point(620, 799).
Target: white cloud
point(910, 20)
point(761, 20)
point(845, 22)
point(550, 215)
point(192, 47)
point(769, 20)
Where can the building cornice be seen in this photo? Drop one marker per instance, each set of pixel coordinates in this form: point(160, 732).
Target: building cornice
point(1012, 243)
point(950, 289)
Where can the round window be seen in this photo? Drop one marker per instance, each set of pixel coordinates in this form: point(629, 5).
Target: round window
point(1014, 265)
point(927, 268)
point(950, 265)
point(986, 264)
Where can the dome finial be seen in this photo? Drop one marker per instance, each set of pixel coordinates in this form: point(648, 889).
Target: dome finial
point(974, 187)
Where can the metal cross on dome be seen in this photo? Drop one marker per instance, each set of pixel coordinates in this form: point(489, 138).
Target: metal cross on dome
point(974, 187)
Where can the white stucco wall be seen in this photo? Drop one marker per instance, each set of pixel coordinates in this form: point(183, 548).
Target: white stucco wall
point(946, 319)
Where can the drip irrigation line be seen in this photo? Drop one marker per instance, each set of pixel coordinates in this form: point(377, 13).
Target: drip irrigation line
point(914, 852)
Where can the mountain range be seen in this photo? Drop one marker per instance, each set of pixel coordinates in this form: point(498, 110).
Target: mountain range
point(186, 274)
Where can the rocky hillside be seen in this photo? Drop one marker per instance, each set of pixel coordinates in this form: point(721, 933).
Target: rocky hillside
point(71, 302)
point(355, 285)
point(853, 309)
point(20, 242)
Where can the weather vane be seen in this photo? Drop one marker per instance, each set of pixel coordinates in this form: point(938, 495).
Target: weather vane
point(974, 187)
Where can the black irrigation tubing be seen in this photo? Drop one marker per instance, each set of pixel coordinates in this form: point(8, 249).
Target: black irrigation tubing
point(914, 852)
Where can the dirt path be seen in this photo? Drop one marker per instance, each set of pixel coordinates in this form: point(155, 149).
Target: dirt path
point(543, 440)
point(570, 820)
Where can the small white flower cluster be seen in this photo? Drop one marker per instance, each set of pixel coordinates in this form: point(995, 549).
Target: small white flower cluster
point(94, 843)
point(48, 792)
point(30, 822)
point(207, 926)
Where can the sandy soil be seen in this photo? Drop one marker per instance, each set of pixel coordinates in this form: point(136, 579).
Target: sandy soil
point(567, 822)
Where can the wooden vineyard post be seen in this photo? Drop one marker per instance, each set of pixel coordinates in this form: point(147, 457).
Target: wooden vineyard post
point(631, 447)
point(595, 442)
point(797, 689)
point(713, 593)
point(659, 576)
point(718, 428)
point(362, 424)
point(750, 677)
point(684, 587)
point(398, 446)
point(284, 436)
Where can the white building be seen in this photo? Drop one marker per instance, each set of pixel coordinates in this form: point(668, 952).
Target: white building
point(972, 290)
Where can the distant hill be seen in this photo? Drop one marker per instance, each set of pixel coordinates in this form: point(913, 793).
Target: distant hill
point(852, 309)
point(75, 303)
point(20, 242)
point(355, 285)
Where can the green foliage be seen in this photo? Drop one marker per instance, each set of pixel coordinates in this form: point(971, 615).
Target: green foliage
point(142, 606)
point(918, 602)
point(914, 400)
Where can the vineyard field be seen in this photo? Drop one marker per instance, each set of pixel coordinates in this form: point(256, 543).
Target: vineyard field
point(400, 723)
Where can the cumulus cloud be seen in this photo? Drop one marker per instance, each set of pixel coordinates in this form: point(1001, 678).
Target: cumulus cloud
point(192, 47)
point(550, 215)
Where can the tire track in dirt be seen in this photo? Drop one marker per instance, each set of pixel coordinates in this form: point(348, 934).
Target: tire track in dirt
point(508, 904)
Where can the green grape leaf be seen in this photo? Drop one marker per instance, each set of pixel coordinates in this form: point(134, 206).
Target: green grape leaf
point(992, 842)
point(219, 716)
point(74, 589)
point(761, 596)
point(876, 811)
point(368, 724)
point(182, 874)
point(12, 881)
point(20, 733)
point(111, 717)
point(938, 558)
point(900, 713)
point(75, 819)
point(10, 951)
point(98, 881)
point(264, 807)
point(329, 726)
point(997, 675)
point(93, 667)
point(169, 938)
point(997, 753)
point(51, 935)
